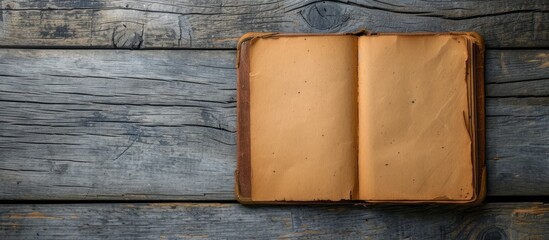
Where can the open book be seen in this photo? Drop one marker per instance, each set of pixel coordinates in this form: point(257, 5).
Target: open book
point(360, 117)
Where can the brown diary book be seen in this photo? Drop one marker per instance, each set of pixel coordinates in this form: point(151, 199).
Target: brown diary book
point(360, 117)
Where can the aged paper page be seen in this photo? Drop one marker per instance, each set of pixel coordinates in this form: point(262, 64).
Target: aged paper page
point(303, 114)
point(413, 116)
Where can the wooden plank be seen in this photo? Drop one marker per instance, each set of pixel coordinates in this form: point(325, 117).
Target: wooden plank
point(218, 24)
point(222, 221)
point(517, 121)
point(531, 66)
point(117, 124)
point(95, 124)
point(517, 132)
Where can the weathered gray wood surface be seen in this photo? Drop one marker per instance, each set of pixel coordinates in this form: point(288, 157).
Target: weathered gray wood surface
point(219, 23)
point(100, 124)
point(233, 221)
point(160, 125)
point(157, 124)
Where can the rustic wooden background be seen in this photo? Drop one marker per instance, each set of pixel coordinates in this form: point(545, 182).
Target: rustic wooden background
point(98, 141)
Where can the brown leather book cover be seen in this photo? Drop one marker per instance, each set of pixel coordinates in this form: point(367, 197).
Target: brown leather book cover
point(360, 118)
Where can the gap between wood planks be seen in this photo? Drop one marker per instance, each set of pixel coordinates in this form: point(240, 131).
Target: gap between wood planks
point(488, 199)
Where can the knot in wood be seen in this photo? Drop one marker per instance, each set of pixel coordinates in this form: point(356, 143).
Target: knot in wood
point(492, 233)
point(324, 15)
point(128, 35)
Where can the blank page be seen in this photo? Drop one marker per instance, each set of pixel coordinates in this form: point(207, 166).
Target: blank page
point(413, 114)
point(303, 118)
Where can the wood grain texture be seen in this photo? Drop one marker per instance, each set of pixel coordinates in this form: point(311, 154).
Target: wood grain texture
point(117, 124)
point(234, 221)
point(157, 124)
point(218, 24)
